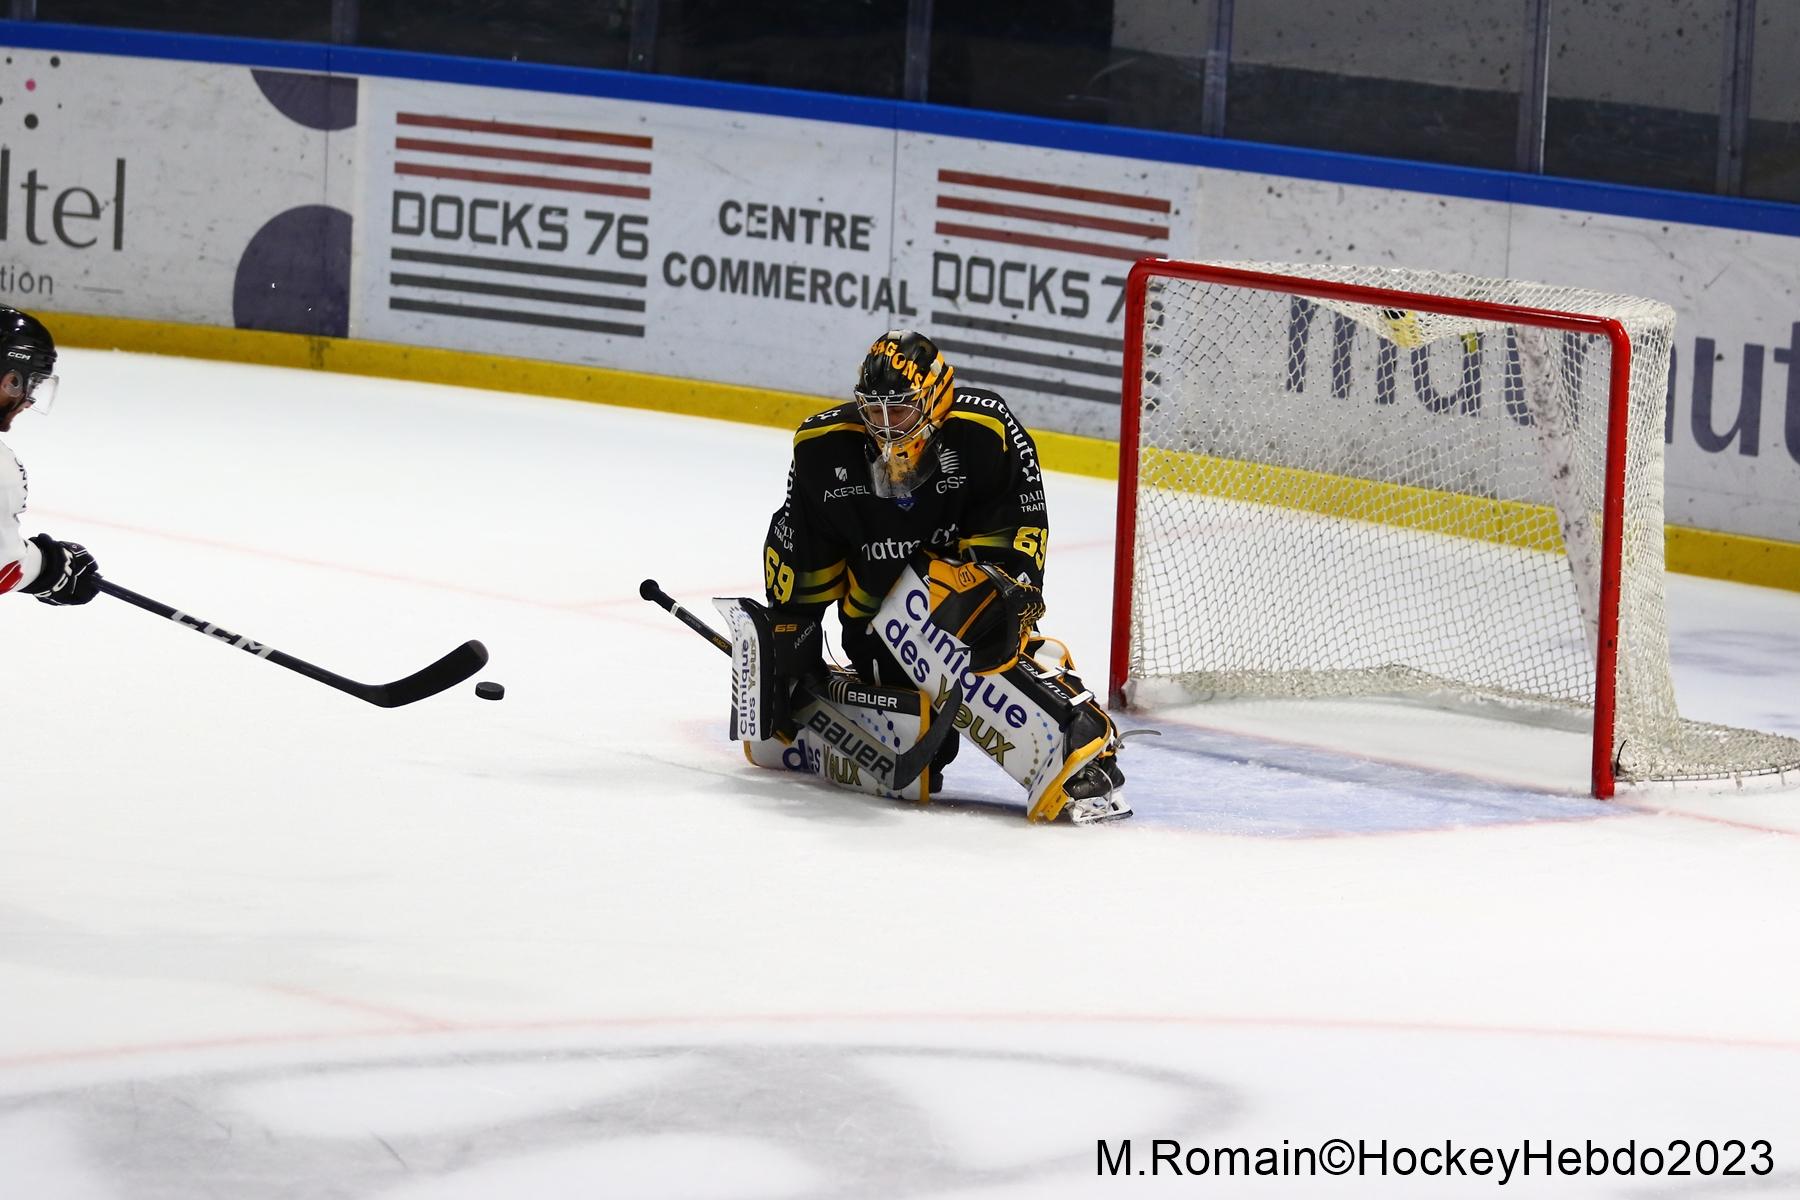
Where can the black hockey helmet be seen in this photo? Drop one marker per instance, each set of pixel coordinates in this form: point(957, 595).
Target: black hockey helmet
point(27, 348)
point(903, 394)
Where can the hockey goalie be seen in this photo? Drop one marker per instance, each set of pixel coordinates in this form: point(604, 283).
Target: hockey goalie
point(916, 507)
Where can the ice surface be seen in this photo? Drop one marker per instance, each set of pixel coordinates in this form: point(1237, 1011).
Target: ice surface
point(259, 939)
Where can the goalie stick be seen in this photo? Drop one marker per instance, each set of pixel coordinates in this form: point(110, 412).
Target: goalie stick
point(653, 593)
point(908, 765)
point(446, 672)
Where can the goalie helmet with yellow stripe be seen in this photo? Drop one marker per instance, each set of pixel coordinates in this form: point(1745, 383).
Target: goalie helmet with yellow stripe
point(903, 395)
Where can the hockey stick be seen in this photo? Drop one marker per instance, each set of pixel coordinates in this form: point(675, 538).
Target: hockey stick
point(908, 766)
point(651, 592)
point(446, 672)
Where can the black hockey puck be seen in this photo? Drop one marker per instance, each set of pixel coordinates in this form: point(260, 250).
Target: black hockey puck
point(490, 691)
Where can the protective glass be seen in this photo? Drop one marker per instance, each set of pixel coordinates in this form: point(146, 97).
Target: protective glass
point(40, 390)
point(37, 388)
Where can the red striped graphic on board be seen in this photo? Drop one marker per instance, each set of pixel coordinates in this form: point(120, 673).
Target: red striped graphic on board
point(1062, 191)
point(458, 139)
point(515, 154)
point(514, 129)
point(1045, 227)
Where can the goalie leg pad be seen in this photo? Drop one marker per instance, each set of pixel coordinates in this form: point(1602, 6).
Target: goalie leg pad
point(1034, 723)
point(1088, 777)
point(851, 733)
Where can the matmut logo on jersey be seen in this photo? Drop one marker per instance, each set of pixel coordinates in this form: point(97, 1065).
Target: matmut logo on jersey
point(901, 549)
point(1015, 435)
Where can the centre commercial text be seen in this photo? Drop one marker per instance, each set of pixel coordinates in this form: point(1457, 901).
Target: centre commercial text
point(791, 281)
point(1034, 287)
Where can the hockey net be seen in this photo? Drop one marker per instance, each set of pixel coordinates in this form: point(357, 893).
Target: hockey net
point(1344, 481)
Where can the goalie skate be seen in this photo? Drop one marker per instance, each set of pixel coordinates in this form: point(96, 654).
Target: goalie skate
point(1096, 793)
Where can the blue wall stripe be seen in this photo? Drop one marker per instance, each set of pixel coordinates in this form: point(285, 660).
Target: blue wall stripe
point(1578, 195)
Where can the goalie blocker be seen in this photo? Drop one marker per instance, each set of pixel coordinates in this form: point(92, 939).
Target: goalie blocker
point(1036, 723)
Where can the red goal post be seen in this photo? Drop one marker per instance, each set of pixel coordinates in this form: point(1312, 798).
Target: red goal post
point(1291, 531)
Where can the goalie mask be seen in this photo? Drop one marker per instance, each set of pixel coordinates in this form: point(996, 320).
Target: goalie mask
point(903, 395)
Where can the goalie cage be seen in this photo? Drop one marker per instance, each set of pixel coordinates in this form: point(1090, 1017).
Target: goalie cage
point(1340, 481)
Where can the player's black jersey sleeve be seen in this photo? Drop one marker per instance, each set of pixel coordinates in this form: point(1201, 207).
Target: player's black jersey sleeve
point(1006, 522)
point(805, 556)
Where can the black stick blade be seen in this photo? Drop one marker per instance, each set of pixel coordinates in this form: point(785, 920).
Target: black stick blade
point(910, 765)
point(446, 672)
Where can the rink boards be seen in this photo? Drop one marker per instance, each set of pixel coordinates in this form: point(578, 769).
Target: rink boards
point(729, 249)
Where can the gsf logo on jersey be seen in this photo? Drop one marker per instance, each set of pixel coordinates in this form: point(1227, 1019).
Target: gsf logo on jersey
point(950, 476)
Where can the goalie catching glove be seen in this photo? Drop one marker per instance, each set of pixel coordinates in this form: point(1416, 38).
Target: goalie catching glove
point(985, 609)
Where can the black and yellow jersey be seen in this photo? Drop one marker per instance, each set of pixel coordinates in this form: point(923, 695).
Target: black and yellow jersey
point(837, 539)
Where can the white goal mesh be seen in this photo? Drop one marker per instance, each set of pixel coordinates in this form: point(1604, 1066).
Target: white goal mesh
point(1344, 492)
